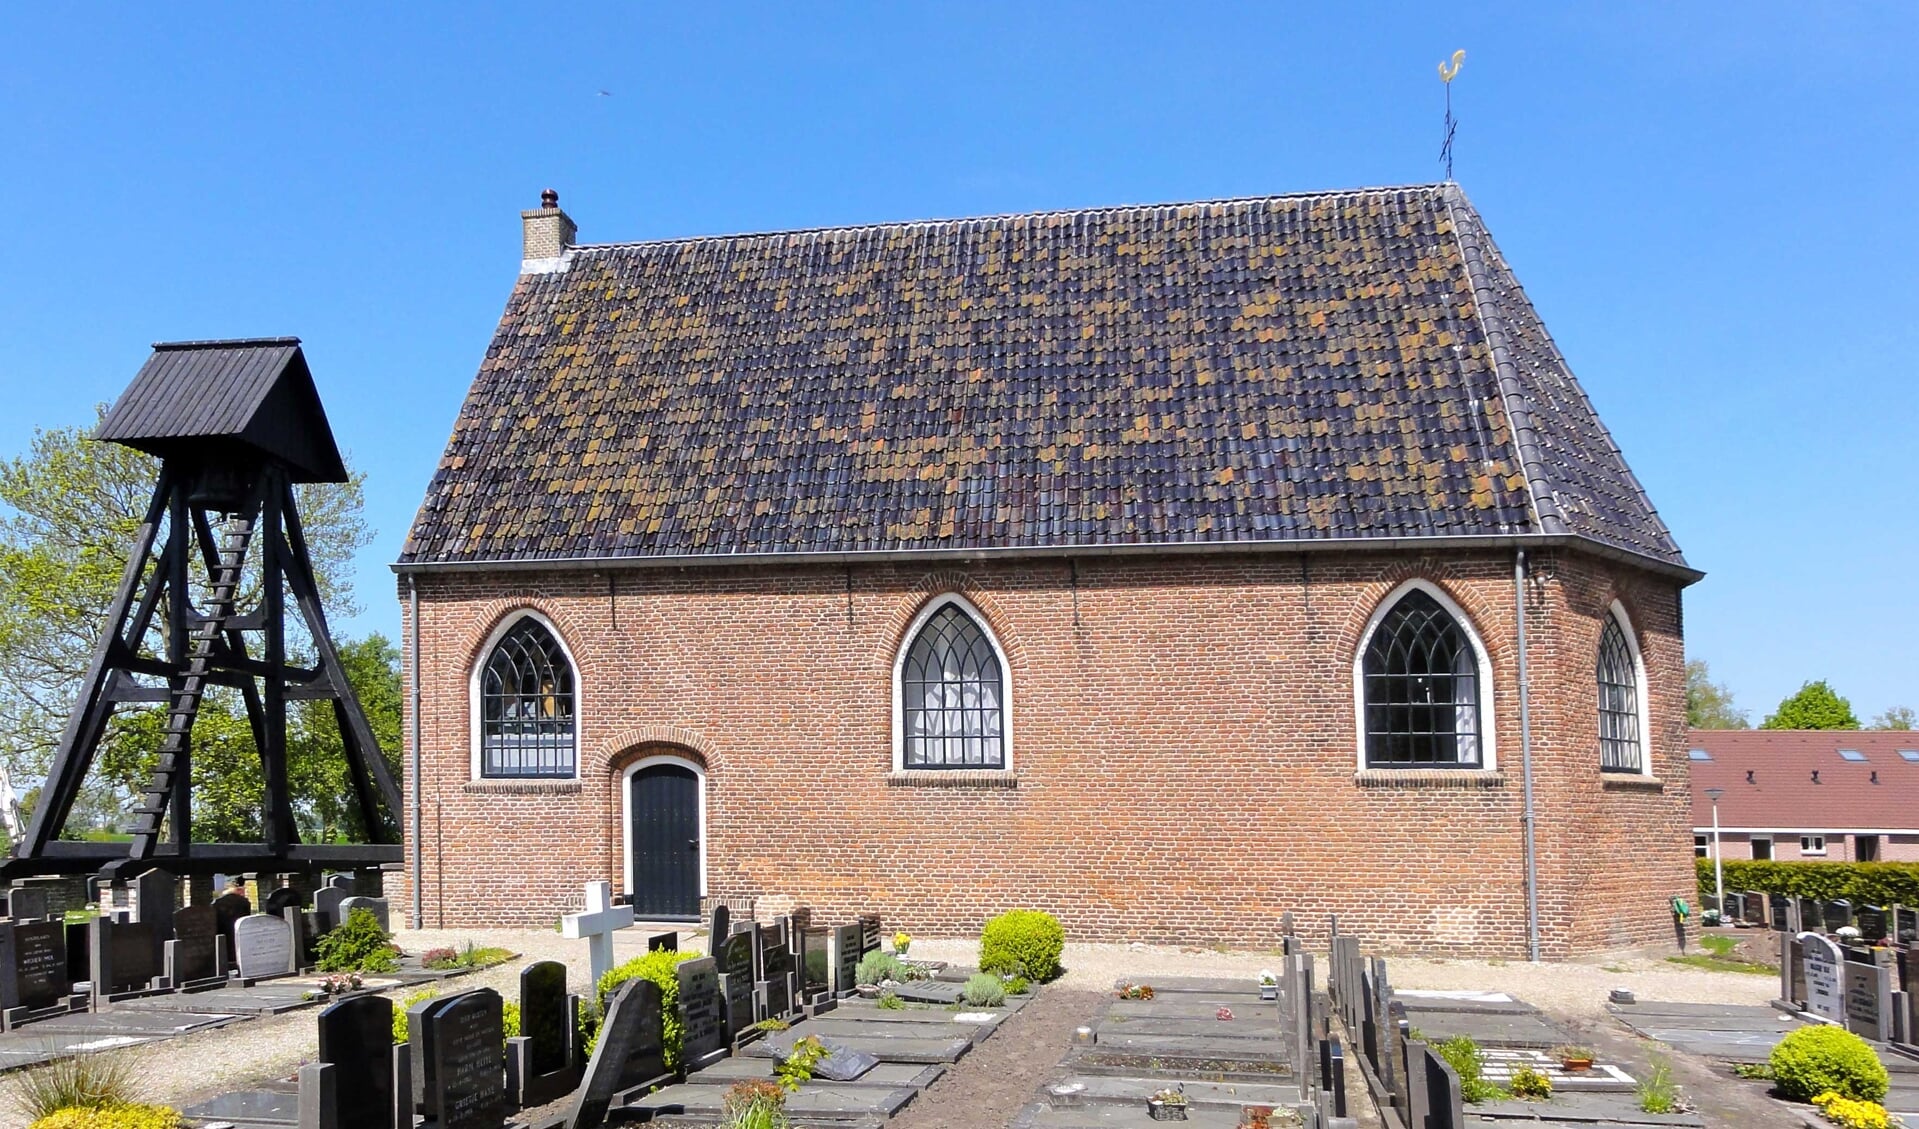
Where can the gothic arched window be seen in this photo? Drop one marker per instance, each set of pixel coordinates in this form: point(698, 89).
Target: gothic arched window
point(952, 694)
point(1618, 673)
point(1422, 689)
point(526, 705)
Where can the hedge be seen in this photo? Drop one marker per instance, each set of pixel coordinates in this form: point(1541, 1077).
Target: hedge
point(1862, 883)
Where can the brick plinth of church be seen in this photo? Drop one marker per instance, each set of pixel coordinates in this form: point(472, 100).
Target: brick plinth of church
point(1184, 758)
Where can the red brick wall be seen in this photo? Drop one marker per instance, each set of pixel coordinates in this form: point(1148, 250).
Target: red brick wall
point(1184, 752)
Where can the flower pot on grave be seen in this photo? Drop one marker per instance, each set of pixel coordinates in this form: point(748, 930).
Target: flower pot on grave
point(1269, 991)
point(1576, 1065)
point(868, 991)
point(1161, 1110)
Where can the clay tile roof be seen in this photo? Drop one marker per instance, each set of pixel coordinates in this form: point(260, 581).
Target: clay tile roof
point(1782, 796)
point(1294, 369)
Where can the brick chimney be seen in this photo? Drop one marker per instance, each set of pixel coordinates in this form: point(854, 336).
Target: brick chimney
point(548, 233)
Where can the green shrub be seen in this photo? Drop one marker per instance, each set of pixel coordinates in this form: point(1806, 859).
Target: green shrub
point(877, 966)
point(1022, 942)
point(86, 1081)
point(659, 967)
point(983, 989)
point(1463, 1055)
point(891, 1002)
point(1812, 1060)
point(357, 944)
point(1018, 986)
point(1531, 1084)
point(509, 1020)
point(1864, 883)
point(796, 1069)
point(113, 1117)
point(754, 1105)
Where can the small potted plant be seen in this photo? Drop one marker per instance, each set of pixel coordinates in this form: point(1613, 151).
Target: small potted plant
point(1255, 1117)
point(1574, 1059)
point(1135, 992)
point(1167, 1105)
point(901, 942)
point(1268, 985)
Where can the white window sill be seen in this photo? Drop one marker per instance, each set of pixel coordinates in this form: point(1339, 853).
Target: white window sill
point(1630, 782)
point(501, 786)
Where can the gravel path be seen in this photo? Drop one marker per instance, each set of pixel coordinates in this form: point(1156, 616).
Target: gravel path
point(194, 1067)
point(996, 1078)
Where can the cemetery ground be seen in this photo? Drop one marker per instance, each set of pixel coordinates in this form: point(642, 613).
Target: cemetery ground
point(989, 1086)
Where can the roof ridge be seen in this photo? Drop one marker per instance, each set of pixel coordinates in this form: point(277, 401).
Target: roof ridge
point(1577, 387)
point(1049, 213)
point(1512, 397)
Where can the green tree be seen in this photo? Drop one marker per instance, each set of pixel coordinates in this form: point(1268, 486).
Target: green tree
point(1895, 717)
point(69, 510)
point(1815, 706)
point(1708, 703)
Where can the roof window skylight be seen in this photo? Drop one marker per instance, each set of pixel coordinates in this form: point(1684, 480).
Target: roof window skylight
point(1699, 754)
point(1852, 755)
point(1910, 754)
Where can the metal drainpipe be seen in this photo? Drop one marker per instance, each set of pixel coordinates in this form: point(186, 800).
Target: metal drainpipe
point(413, 628)
point(1526, 763)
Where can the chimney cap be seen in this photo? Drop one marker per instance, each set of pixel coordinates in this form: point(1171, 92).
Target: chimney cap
point(549, 198)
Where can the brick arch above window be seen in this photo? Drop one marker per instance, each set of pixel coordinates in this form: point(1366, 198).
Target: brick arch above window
point(907, 610)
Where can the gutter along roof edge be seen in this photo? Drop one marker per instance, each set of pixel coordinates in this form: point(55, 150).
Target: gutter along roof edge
point(1685, 574)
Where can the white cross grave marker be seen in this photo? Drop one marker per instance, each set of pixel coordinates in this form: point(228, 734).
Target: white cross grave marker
point(597, 924)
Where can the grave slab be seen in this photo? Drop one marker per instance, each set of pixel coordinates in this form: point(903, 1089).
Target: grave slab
point(911, 1050)
point(1489, 1030)
point(912, 1075)
point(815, 1101)
point(256, 1107)
point(928, 992)
point(1107, 1116)
point(149, 1023)
point(1237, 987)
point(1604, 1109)
point(1113, 1088)
point(1236, 1029)
point(240, 1001)
point(1177, 1067)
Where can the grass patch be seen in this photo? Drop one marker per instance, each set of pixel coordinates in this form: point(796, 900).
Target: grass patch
point(1723, 964)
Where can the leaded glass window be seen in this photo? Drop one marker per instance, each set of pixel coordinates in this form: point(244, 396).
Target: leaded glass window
point(1618, 702)
point(1421, 689)
point(526, 705)
point(953, 694)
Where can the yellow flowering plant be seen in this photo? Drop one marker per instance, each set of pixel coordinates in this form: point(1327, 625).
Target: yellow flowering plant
point(901, 941)
point(1850, 1114)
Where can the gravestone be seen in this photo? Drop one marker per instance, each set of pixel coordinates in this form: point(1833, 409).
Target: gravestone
point(376, 906)
point(776, 974)
point(122, 956)
point(1824, 990)
point(1868, 989)
point(663, 943)
point(1905, 921)
point(596, 924)
point(718, 929)
point(63, 893)
point(869, 933)
point(1873, 924)
point(468, 1085)
point(630, 1053)
point(1837, 914)
point(79, 951)
point(278, 900)
point(327, 899)
point(227, 909)
point(356, 1039)
point(703, 1022)
point(843, 1064)
point(845, 958)
point(539, 1060)
point(816, 963)
point(26, 903)
point(1812, 916)
point(736, 981)
point(33, 966)
point(1755, 909)
point(263, 947)
point(1433, 1090)
point(1777, 906)
point(193, 953)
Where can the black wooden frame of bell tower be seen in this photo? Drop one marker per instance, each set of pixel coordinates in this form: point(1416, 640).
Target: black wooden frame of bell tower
point(216, 497)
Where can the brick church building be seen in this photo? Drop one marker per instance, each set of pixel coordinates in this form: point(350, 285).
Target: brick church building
point(1163, 567)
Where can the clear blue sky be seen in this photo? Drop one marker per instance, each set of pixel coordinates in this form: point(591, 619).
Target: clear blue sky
point(1716, 215)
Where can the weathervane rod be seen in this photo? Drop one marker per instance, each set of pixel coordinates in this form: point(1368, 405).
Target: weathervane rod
point(1446, 76)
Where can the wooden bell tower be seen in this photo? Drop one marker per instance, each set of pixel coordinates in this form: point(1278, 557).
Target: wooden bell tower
point(236, 425)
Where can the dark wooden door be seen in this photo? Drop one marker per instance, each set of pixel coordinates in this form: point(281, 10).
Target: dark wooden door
point(666, 842)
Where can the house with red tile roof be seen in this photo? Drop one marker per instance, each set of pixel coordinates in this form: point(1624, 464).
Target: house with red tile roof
point(1829, 795)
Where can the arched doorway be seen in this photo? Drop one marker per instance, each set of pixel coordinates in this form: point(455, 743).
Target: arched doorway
point(664, 798)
